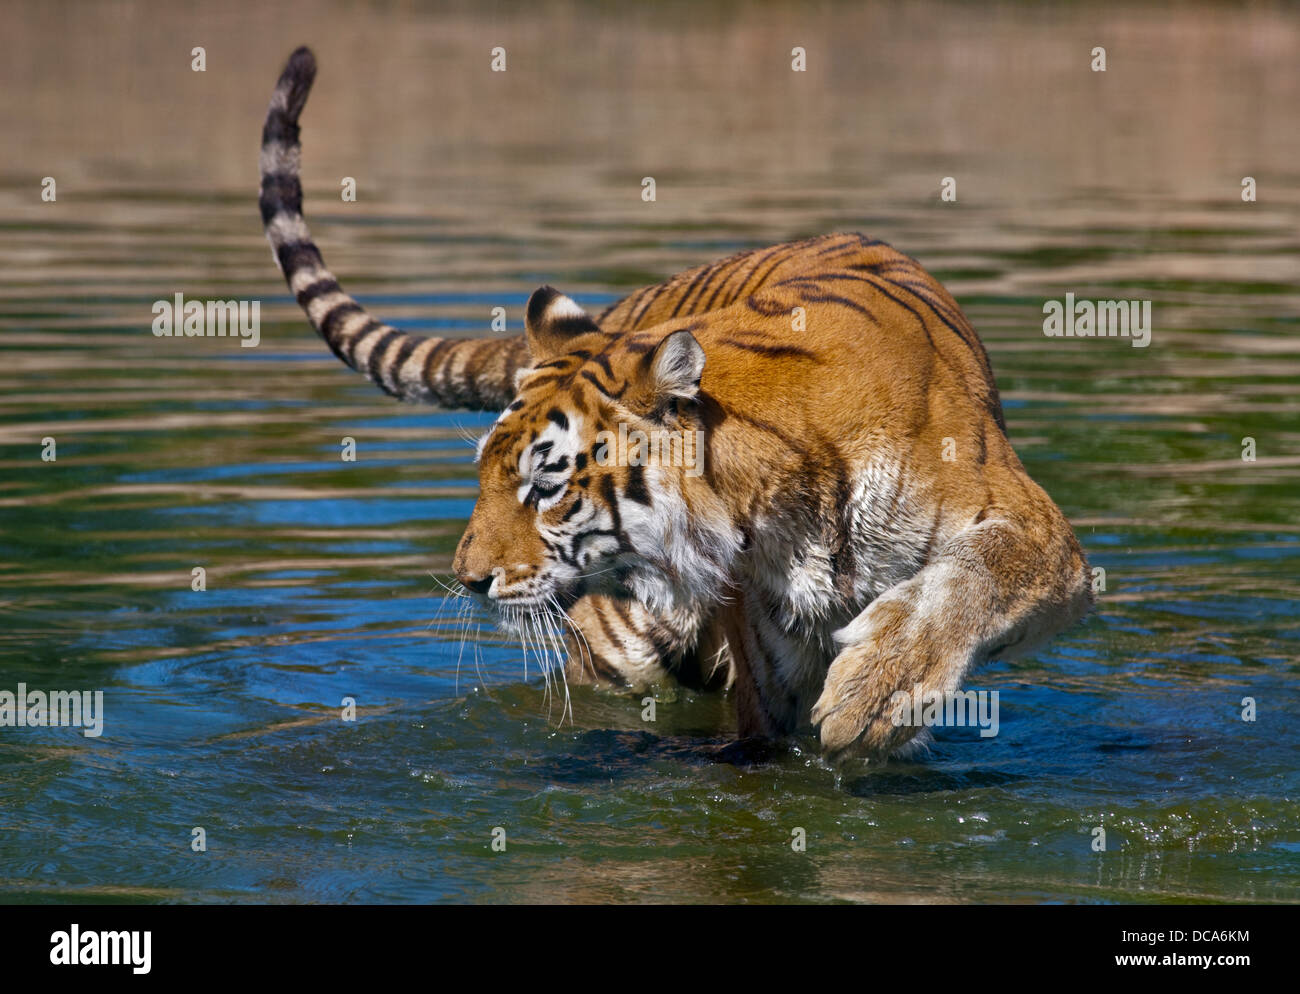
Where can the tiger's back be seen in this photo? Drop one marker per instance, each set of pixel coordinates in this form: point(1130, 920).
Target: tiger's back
point(894, 299)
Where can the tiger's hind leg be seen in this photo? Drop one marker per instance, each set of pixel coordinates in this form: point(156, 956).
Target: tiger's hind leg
point(996, 588)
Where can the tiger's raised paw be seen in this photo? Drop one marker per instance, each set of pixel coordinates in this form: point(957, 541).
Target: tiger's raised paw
point(855, 715)
point(886, 650)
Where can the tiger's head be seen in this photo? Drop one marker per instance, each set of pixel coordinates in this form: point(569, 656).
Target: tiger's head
point(583, 478)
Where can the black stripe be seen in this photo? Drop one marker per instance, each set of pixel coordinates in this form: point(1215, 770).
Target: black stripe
point(573, 325)
point(331, 327)
point(772, 268)
point(907, 307)
point(762, 257)
point(625, 617)
point(563, 360)
point(708, 304)
point(941, 311)
point(948, 313)
point(614, 642)
point(320, 288)
point(767, 306)
point(410, 345)
point(838, 247)
point(635, 318)
point(376, 358)
point(662, 643)
point(607, 491)
point(539, 493)
point(574, 508)
point(539, 302)
point(279, 128)
point(614, 393)
point(835, 298)
point(629, 301)
point(298, 255)
point(635, 488)
point(430, 361)
point(771, 351)
point(701, 277)
point(910, 287)
point(279, 191)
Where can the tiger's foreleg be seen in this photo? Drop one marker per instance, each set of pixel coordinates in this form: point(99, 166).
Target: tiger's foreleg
point(623, 644)
point(620, 643)
point(774, 674)
point(996, 588)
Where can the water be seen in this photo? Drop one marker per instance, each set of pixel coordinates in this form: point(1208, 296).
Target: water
point(474, 188)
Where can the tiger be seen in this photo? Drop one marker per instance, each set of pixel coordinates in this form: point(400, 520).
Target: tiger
point(848, 522)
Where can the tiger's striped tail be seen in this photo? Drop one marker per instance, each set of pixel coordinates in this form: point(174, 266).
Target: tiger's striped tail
point(478, 374)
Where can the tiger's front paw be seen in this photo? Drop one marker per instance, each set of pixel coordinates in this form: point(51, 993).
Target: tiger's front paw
point(856, 712)
point(886, 650)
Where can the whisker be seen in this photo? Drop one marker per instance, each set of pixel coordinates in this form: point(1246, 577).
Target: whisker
point(464, 618)
point(466, 434)
point(599, 572)
point(478, 635)
point(580, 638)
point(545, 630)
point(542, 662)
point(556, 637)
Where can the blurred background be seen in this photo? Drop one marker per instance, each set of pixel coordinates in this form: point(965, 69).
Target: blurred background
point(473, 188)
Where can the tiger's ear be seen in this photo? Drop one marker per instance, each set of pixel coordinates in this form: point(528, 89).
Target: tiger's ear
point(675, 367)
point(553, 323)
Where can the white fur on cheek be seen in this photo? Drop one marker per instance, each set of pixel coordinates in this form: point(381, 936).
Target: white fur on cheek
point(697, 550)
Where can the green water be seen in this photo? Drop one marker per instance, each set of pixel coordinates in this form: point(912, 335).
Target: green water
point(323, 577)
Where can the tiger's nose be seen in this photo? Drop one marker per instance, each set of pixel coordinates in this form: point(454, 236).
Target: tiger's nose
point(480, 586)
